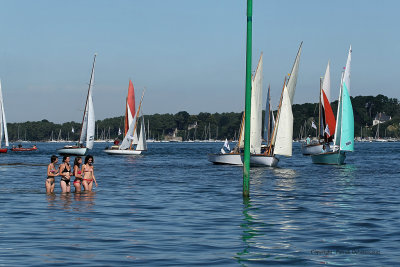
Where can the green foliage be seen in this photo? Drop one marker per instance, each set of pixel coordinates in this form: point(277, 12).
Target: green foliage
point(217, 125)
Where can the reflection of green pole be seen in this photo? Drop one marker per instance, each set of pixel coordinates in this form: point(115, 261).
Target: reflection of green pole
point(246, 157)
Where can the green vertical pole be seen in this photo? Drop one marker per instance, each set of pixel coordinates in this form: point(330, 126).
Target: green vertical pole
point(246, 160)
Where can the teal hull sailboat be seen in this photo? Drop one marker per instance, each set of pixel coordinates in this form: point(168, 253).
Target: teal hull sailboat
point(330, 158)
point(344, 132)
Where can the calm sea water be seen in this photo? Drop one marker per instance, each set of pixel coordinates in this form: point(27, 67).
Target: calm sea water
point(171, 206)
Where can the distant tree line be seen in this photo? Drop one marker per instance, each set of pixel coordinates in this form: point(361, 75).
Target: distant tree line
point(215, 126)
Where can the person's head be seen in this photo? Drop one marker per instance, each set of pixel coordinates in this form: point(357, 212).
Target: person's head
point(66, 159)
point(78, 161)
point(89, 159)
point(54, 159)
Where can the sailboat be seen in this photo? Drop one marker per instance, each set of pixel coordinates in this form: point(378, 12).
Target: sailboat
point(326, 118)
point(344, 137)
point(282, 135)
point(3, 125)
point(88, 124)
point(131, 144)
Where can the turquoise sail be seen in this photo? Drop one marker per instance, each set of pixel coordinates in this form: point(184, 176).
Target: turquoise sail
point(347, 129)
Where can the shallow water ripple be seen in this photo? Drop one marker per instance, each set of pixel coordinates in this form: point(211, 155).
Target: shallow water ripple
point(170, 206)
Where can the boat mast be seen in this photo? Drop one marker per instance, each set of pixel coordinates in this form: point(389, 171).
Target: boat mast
point(87, 97)
point(269, 115)
point(319, 110)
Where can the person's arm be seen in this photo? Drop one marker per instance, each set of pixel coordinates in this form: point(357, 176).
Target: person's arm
point(49, 174)
point(94, 179)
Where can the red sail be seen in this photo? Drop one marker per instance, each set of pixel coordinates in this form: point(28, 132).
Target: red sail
point(329, 117)
point(130, 106)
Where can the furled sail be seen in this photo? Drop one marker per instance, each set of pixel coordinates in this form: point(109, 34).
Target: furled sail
point(269, 121)
point(256, 109)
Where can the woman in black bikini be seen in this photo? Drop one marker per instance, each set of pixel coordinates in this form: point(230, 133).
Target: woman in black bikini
point(51, 173)
point(78, 174)
point(65, 172)
point(88, 174)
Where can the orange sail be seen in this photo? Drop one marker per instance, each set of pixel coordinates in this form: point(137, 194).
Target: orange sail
point(130, 107)
point(329, 117)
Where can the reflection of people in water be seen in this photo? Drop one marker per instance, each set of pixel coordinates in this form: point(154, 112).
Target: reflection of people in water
point(51, 173)
point(65, 172)
point(88, 174)
point(78, 174)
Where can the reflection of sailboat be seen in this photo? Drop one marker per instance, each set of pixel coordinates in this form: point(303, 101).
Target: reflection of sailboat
point(344, 137)
point(132, 144)
point(326, 118)
point(88, 124)
point(3, 125)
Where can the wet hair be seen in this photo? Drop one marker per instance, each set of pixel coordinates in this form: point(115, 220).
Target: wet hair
point(53, 158)
point(76, 161)
point(64, 158)
point(89, 157)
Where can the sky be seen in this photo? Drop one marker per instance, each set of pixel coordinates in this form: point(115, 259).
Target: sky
point(190, 55)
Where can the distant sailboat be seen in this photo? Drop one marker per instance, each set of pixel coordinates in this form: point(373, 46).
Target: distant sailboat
point(344, 137)
point(131, 144)
point(88, 124)
point(326, 118)
point(3, 125)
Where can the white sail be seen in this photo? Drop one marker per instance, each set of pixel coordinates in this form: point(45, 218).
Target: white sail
point(126, 143)
point(284, 131)
point(142, 145)
point(88, 123)
point(256, 109)
point(346, 76)
point(135, 139)
point(326, 84)
point(3, 122)
point(291, 84)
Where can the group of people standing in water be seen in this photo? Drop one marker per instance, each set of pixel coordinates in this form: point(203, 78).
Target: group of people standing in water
point(84, 175)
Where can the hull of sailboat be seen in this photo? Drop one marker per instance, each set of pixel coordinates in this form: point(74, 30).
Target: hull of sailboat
point(3, 150)
point(122, 152)
point(311, 149)
point(22, 149)
point(78, 151)
point(330, 158)
point(229, 158)
point(263, 160)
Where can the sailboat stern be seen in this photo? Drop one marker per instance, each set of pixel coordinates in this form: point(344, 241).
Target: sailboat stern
point(228, 158)
point(263, 160)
